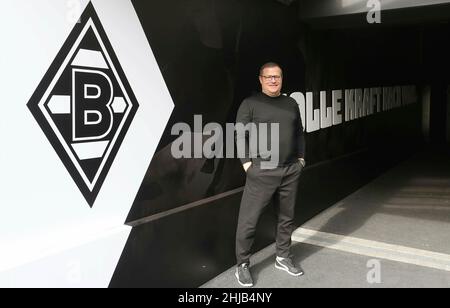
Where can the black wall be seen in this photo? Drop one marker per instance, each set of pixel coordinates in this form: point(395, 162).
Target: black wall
point(436, 68)
point(209, 53)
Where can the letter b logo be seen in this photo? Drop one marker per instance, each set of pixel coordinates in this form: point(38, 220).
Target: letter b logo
point(92, 96)
point(85, 105)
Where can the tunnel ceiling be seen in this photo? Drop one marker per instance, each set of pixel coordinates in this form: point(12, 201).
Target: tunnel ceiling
point(352, 13)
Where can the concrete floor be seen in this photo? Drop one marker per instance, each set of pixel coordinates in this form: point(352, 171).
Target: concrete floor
point(394, 232)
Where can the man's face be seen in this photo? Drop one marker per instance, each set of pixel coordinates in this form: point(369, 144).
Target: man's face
point(271, 81)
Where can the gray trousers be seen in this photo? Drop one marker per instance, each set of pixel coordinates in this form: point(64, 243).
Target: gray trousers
point(263, 186)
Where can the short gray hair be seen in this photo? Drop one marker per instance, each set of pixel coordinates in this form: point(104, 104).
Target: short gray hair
point(269, 65)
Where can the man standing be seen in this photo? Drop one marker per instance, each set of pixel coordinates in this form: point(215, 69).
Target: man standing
point(278, 182)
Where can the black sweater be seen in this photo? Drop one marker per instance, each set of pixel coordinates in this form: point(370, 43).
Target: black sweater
point(283, 110)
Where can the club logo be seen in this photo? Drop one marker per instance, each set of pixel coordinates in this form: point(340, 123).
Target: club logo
point(85, 105)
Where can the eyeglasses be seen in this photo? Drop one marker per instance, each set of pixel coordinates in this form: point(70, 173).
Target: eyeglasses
point(269, 78)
